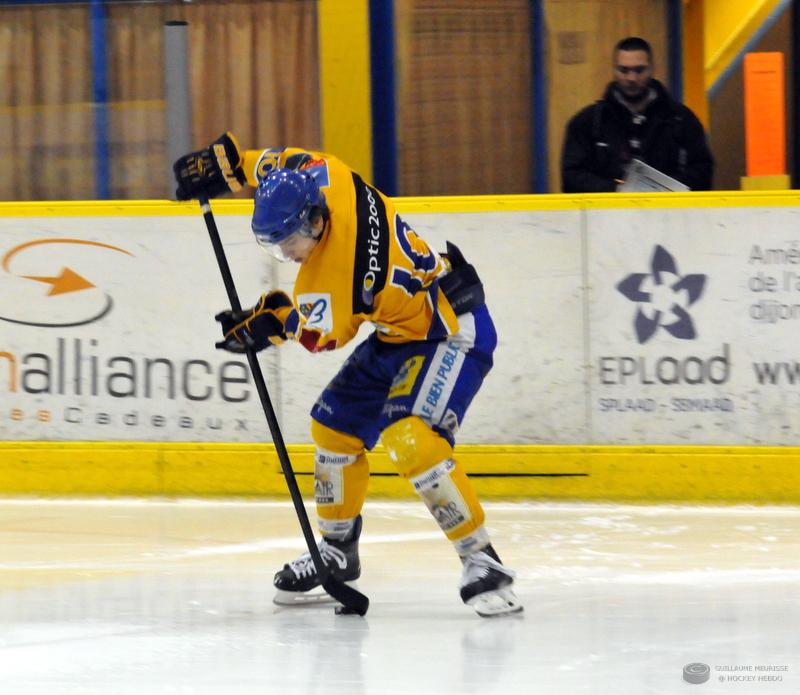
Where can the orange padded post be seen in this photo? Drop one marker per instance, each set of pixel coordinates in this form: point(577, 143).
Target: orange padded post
point(764, 123)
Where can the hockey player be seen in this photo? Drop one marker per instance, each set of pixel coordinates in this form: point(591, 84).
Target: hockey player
point(408, 384)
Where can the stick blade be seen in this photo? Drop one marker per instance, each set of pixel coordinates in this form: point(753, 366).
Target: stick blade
point(352, 601)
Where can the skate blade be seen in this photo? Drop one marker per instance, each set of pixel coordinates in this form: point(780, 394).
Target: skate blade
point(491, 604)
point(316, 596)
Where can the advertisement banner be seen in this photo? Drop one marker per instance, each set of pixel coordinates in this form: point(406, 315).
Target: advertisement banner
point(615, 326)
point(694, 321)
point(106, 331)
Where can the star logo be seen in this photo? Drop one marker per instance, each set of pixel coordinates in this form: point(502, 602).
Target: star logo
point(662, 298)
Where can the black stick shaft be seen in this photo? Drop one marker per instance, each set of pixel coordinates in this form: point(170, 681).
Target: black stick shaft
point(346, 595)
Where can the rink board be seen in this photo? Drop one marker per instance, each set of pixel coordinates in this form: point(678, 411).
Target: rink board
point(609, 473)
point(647, 349)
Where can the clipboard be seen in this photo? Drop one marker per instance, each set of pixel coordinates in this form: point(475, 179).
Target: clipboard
point(642, 178)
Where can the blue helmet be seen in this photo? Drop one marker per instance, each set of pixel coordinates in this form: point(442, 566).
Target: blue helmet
point(284, 199)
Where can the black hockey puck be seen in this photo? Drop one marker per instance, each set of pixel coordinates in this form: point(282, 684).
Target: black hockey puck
point(344, 610)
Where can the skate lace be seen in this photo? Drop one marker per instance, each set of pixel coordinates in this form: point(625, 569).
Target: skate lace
point(478, 566)
point(303, 566)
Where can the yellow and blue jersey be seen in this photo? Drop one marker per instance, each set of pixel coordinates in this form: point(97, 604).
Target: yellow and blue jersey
point(369, 265)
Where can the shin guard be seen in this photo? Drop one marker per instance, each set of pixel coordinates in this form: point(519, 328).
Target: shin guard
point(341, 475)
point(426, 460)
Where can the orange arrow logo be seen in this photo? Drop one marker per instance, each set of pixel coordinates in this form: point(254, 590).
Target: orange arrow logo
point(67, 281)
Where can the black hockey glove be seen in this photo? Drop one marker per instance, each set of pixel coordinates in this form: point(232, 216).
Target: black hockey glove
point(255, 328)
point(462, 286)
point(210, 172)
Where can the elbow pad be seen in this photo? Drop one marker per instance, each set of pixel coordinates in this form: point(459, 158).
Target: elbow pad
point(461, 285)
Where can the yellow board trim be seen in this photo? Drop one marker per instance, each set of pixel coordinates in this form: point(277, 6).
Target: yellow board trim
point(425, 205)
point(344, 76)
point(708, 474)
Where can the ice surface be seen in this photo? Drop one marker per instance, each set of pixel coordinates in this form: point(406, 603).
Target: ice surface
point(160, 596)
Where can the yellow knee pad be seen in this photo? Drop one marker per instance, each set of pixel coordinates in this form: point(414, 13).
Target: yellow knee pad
point(341, 475)
point(426, 460)
point(414, 447)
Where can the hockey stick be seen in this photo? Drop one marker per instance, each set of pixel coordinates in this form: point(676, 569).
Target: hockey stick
point(353, 601)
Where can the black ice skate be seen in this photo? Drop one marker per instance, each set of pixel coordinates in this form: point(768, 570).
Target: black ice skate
point(486, 584)
point(298, 581)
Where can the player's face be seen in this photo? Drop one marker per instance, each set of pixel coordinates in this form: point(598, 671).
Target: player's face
point(297, 248)
point(632, 73)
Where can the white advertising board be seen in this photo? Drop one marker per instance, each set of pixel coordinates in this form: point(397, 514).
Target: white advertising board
point(626, 326)
point(694, 326)
point(106, 329)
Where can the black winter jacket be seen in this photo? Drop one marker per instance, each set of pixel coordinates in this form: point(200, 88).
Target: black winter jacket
point(597, 144)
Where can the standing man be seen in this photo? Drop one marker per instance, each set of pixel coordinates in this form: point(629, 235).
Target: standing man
point(409, 384)
point(636, 119)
